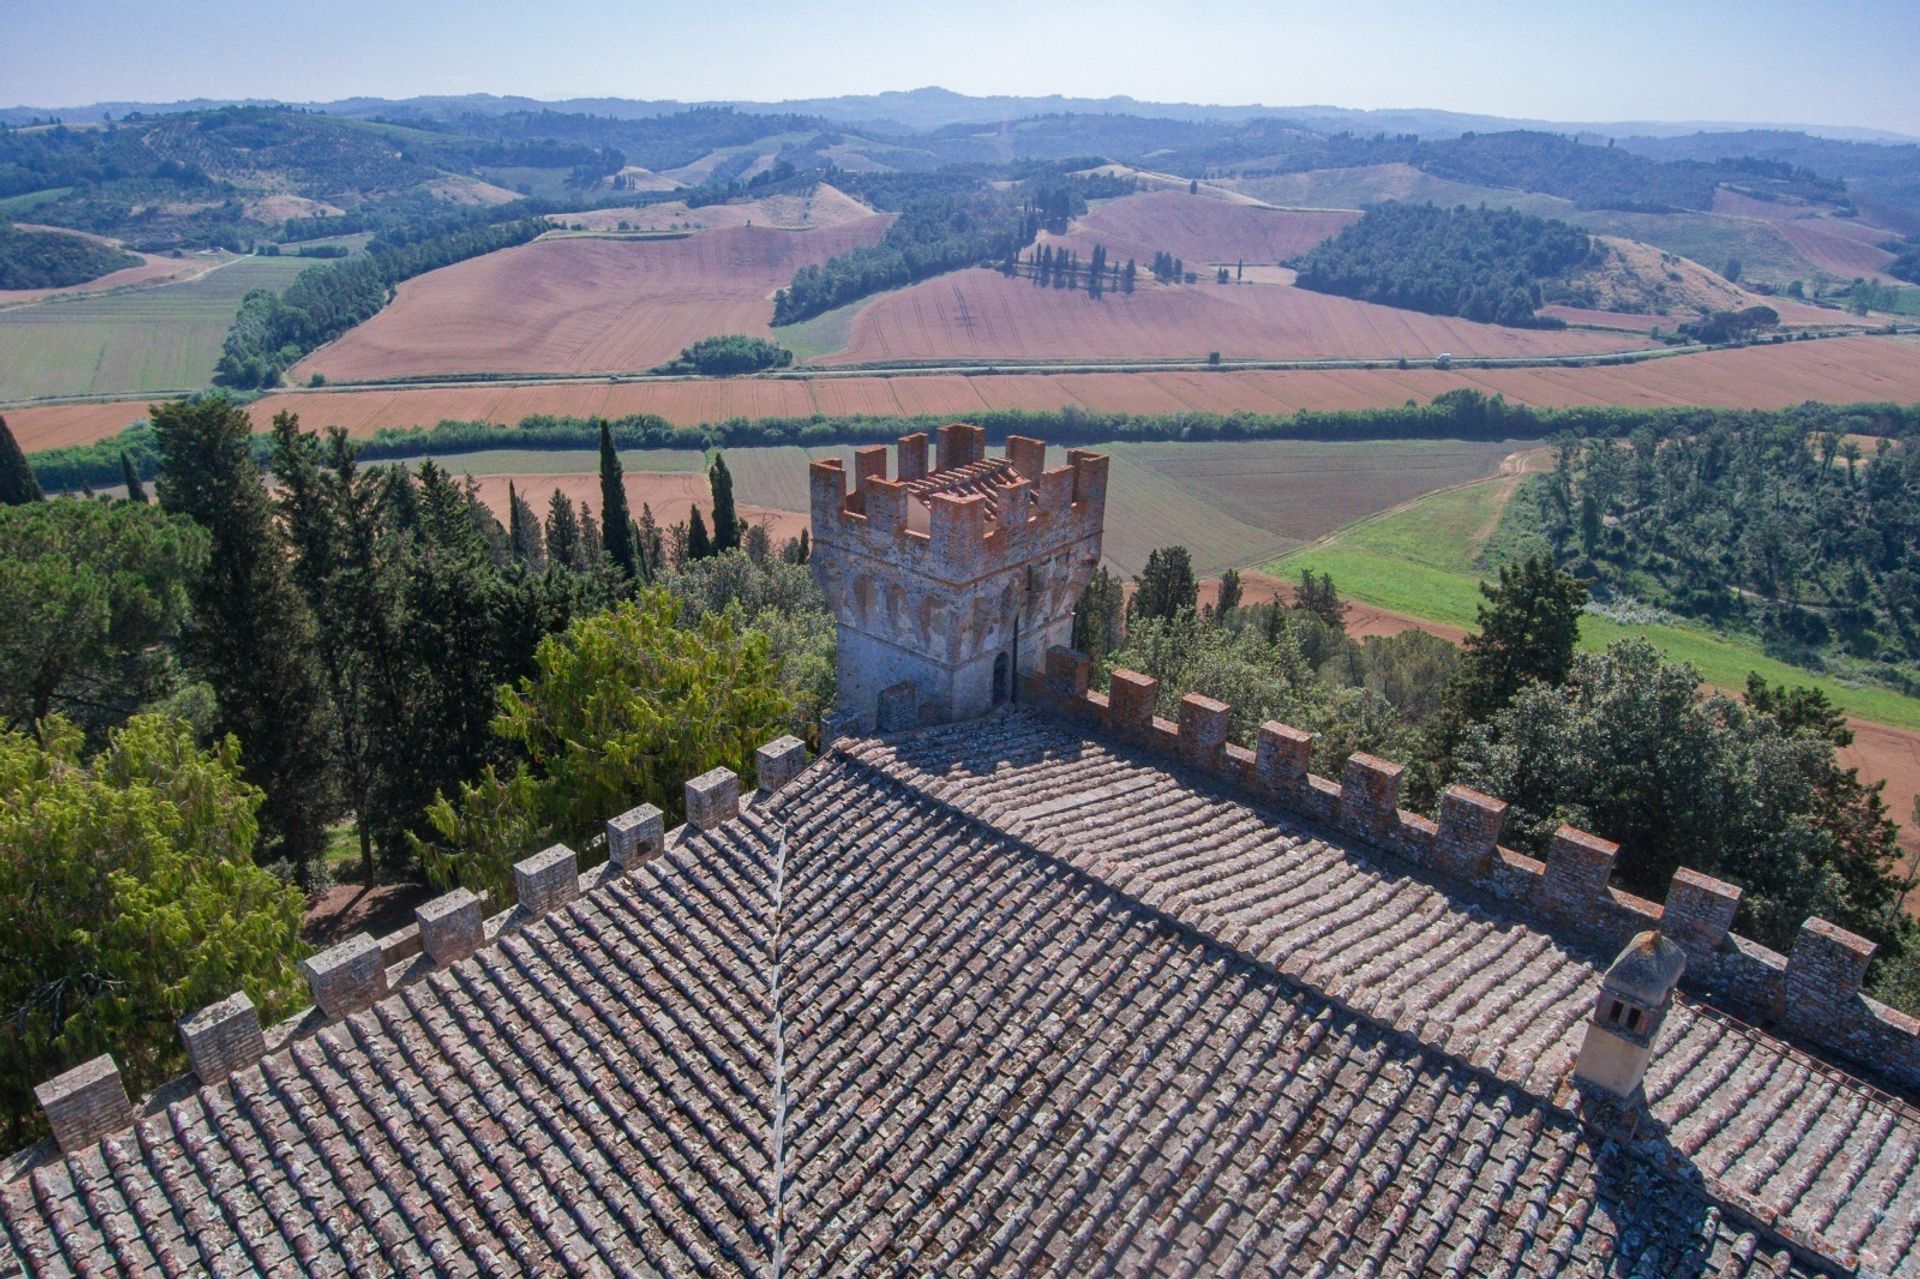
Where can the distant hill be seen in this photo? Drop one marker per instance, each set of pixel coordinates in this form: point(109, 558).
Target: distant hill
point(51, 260)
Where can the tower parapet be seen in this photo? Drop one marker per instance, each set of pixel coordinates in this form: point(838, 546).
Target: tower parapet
point(950, 584)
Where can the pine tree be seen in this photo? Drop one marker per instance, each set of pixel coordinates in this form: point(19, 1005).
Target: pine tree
point(1167, 588)
point(523, 532)
point(564, 547)
point(253, 638)
point(17, 485)
point(616, 525)
point(726, 524)
point(699, 545)
point(136, 491)
point(1126, 277)
point(1097, 628)
point(593, 546)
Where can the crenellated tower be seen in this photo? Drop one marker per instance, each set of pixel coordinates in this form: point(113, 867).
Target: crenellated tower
point(950, 582)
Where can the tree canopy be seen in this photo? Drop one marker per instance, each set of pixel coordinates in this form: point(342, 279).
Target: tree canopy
point(129, 898)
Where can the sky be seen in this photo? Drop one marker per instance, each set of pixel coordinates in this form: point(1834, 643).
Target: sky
point(1834, 62)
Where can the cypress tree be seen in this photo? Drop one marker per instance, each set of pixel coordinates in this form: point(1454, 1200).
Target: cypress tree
point(523, 532)
point(17, 485)
point(136, 491)
point(653, 546)
point(699, 545)
point(616, 525)
point(564, 546)
point(253, 639)
point(726, 524)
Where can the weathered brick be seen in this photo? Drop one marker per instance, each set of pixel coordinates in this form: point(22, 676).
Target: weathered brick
point(1370, 794)
point(713, 799)
point(1469, 832)
point(1203, 730)
point(348, 977)
point(546, 881)
point(1578, 865)
point(1131, 697)
point(1281, 756)
point(779, 762)
point(451, 927)
point(1699, 910)
point(635, 836)
point(223, 1038)
point(85, 1104)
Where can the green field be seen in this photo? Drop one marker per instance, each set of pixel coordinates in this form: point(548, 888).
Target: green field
point(826, 332)
point(141, 340)
point(1420, 561)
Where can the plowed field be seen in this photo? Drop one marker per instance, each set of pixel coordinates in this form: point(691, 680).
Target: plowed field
point(577, 305)
point(982, 315)
point(1199, 229)
point(669, 494)
point(1836, 370)
point(1845, 246)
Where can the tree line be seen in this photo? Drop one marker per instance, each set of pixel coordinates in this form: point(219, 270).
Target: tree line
point(1462, 413)
point(1491, 265)
point(49, 260)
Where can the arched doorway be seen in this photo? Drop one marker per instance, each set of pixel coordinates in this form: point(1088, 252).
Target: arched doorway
point(1000, 681)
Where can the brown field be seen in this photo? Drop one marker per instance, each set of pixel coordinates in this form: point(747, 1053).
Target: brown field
point(151, 271)
point(982, 315)
point(581, 304)
point(1835, 370)
point(1844, 246)
point(1610, 319)
point(1199, 229)
point(670, 494)
point(824, 206)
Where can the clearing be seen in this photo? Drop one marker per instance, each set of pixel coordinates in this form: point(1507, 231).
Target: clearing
point(1198, 229)
point(824, 206)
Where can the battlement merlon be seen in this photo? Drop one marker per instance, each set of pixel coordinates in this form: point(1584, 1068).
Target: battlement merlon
point(961, 534)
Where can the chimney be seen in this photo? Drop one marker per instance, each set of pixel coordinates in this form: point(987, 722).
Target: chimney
point(1634, 996)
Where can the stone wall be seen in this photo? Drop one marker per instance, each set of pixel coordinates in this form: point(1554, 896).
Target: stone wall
point(955, 580)
point(1813, 993)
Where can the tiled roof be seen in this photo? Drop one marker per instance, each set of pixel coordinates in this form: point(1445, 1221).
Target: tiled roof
point(991, 999)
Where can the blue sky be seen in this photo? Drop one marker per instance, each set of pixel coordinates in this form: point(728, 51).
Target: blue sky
point(1839, 62)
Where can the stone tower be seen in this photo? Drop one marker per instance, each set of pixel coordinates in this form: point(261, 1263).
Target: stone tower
point(1633, 1000)
point(950, 583)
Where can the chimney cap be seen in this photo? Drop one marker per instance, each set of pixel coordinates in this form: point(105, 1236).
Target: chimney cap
point(1647, 970)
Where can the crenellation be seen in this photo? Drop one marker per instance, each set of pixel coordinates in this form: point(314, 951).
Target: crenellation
point(913, 456)
point(1281, 756)
point(1202, 731)
point(348, 977)
point(713, 799)
point(1825, 971)
point(1130, 702)
point(1698, 913)
point(779, 762)
point(451, 927)
point(85, 1104)
point(1028, 455)
point(1578, 867)
point(223, 1038)
point(636, 836)
point(1818, 991)
point(960, 444)
point(546, 881)
point(1370, 794)
point(1468, 833)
